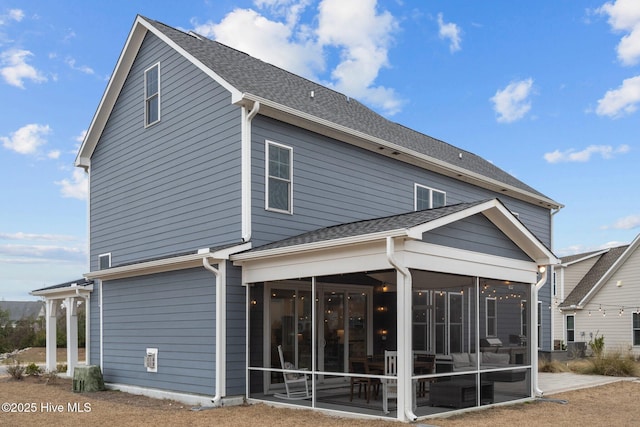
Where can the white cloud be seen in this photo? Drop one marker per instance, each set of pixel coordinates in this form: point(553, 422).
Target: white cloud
point(627, 223)
point(621, 101)
point(356, 30)
point(512, 102)
point(624, 16)
point(363, 37)
point(77, 187)
point(51, 252)
point(28, 139)
point(605, 151)
point(82, 68)
point(450, 31)
point(34, 236)
point(271, 41)
point(53, 154)
point(13, 15)
point(15, 68)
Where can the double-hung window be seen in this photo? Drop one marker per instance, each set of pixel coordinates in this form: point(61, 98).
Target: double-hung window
point(152, 95)
point(279, 179)
point(636, 328)
point(571, 328)
point(428, 198)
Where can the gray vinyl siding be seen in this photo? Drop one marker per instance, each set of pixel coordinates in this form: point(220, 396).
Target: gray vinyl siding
point(94, 326)
point(334, 182)
point(476, 234)
point(173, 312)
point(236, 331)
point(174, 186)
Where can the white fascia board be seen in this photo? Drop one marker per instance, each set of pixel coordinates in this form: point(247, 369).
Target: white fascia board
point(363, 140)
point(595, 254)
point(65, 292)
point(123, 66)
point(324, 244)
point(110, 95)
point(165, 264)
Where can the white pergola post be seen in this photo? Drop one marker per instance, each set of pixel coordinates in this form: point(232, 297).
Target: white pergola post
point(51, 308)
point(72, 334)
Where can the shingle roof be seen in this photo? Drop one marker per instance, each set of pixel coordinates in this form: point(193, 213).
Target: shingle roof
point(593, 276)
point(253, 76)
point(377, 225)
point(79, 282)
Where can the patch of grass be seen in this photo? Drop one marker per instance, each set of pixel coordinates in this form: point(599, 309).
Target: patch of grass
point(552, 366)
point(611, 363)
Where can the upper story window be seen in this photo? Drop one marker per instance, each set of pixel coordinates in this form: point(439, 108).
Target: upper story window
point(152, 95)
point(279, 179)
point(104, 261)
point(428, 198)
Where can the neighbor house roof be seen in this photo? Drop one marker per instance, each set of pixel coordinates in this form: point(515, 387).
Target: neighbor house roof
point(19, 310)
point(288, 97)
point(609, 261)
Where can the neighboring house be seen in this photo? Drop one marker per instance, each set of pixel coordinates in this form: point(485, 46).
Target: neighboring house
point(598, 294)
point(23, 310)
point(235, 207)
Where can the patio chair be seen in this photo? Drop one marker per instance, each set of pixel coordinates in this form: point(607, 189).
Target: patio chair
point(295, 383)
point(360, 366)
point(389, 385)
point(425, 364)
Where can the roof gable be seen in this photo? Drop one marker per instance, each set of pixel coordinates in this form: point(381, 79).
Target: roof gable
point(287, 97)
point(411, 225)
point(610, 261)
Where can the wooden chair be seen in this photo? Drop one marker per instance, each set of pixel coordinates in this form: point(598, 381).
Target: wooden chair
point(426, 365)
point(295, 383)
point(389, 385)
point(360, 366)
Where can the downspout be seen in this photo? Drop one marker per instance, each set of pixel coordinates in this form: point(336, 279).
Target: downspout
point(245, 154)
point(220, 328)
point(534, 331)
point(408, 410)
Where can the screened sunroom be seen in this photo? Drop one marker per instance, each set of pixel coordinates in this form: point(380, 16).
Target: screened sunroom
point(399, 321)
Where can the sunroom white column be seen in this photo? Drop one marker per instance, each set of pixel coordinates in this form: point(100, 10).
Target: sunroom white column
point(72, 334)
point(51, 313)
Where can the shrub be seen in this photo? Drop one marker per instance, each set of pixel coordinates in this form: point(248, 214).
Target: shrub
point(613, 363)
point(597, 345)
point(50, 377)
point(62, 367)
point(16, 371)
point(33, 370)
point(551, 366)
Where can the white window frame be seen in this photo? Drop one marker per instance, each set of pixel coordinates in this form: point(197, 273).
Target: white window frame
point(267, 177)
point(108, 255)
point(488, 319)
point(431, 190)
point(539, 325)
point(148, 98)
point(566, 326)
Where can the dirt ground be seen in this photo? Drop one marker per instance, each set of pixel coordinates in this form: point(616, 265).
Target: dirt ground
point(32, 402)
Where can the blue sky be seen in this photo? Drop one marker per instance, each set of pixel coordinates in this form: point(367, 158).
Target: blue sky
point(548, 91)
